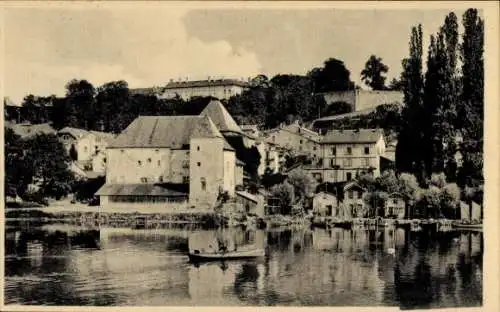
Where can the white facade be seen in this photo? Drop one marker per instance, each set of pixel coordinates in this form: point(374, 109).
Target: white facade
point(220, 89)
point(339, 162)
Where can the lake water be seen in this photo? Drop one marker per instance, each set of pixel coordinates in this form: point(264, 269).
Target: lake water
point(71, 265)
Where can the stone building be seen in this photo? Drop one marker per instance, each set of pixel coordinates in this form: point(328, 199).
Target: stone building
point(364, 99)
point(158, 160)
point(217, 88)
point(344, 154)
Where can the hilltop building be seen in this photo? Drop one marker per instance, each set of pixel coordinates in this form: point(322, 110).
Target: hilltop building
point(343, 154)
point(158, 161)
point(217, 88)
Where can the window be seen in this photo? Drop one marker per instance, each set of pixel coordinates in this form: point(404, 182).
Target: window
point(300, 141)
point(349, 176)
point(332, 162)
point(360, 195)
point(350, 194)
point(349, 150)
point(274, 138)
point(104, 160)
point(159, 163)
point(347, 162)
point(203, 184)
point(144, 180)
point(334, 151)
point(367, 150)
point(149, 160)
point(139, 163)
point(185, 180)
point(198, 148)
point(199, 164)
point(394, 201)
point(85, 149)
point(160, 178)
point(157, 150)
point(366, 162)
point(314, 148)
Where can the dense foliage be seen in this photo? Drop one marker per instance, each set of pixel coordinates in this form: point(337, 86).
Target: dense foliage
point(444, 107)
point(36, 167)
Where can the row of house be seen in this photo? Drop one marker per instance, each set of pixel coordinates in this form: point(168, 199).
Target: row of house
point(179, 162)
point(347, 201)
point(88, 146)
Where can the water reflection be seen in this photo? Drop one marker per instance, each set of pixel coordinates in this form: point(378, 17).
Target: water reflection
point(70, 265)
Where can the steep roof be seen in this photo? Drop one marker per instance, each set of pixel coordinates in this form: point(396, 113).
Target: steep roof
point(221, 117)
point(166, 131)
point(353, 136)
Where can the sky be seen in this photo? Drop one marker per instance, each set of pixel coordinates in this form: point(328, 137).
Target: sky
point(45, 48)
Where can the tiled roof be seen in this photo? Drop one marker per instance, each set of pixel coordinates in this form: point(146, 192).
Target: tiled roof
point(75, 132)
point(221, 117)
point(166, 131)
point(140, 189)
point(351, 185)
point(205, 83)
point(28, 130)
point(248, 196)
point(353, 136)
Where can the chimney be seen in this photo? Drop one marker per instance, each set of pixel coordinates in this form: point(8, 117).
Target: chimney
point(171, 80)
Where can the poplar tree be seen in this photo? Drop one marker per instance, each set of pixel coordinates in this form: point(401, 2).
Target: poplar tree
point(471, 113)
point(409, 157)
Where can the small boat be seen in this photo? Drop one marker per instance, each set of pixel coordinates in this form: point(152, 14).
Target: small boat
point(196, 255)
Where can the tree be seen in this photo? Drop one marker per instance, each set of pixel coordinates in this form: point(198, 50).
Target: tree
point(450, 198)
point(408, 154)
point(373, 73)
point(284, 194)
point(17, 175)
point(376, 201)
point(303, 185)
point(395, 85)
point(430, 201)
point(113, 106)
point(338, 108)
point(48, 162)
point(387, 182)
point(471, 113)
point(80, 104)
point(333, 76)
point(438, 180)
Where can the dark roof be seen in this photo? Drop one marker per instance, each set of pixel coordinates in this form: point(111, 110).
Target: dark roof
point(353, 184)
point(205, 83)
point(221, 117)
point(167, 131)
point(142, 190)
point(353, 136)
